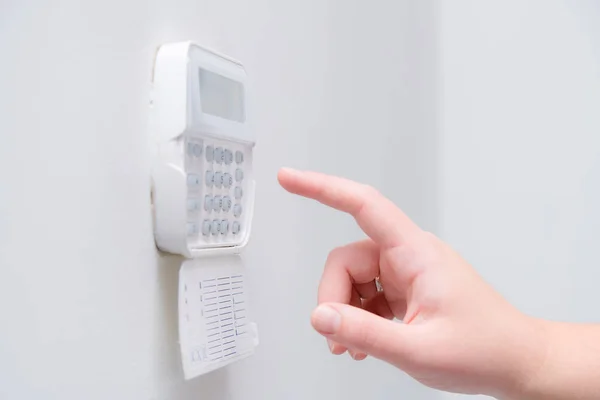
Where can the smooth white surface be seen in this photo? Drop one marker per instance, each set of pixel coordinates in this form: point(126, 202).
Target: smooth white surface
point(520, 158)
point(88, 306)
point(216, 325)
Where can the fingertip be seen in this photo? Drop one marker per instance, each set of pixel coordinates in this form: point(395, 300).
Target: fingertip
point(366, 333)
point(357, 356)
point(282, 171)
point(321, 320)
point(281, 175)
point(285, 177)
point(331, 345)
point(287, 172)
point(335, 348)
point(326, 320)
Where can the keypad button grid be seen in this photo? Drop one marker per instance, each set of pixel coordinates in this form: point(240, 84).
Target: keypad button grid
point(216, 170)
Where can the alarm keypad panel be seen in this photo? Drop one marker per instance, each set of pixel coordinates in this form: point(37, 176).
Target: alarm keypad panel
point(202, 181)
point(217, 175)
point(202, 196)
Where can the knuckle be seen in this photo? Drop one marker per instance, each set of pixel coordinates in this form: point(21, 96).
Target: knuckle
point(369, 191)
point(408, 254)
point(335, 255)
point(423, 250)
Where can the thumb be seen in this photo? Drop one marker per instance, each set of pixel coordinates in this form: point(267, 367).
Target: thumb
point(360, 330)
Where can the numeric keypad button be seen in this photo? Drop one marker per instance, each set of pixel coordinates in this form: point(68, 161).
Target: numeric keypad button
point(215, 227)
point(227, 180)
point(209, 177)
point(219, 155)
point(227, 203)
point(210, 154)
point(192, 205)
point(197, 150)
point(192, 228)
point(238, 192)
point(237, 210)
point(239, 175)
point(208, 203)
point(206, 227)
point(218, 179)
point(193, 180)
point(236, 227)
point(239, 157)
point(217, 203)
point(227, 156)
point(224, 227)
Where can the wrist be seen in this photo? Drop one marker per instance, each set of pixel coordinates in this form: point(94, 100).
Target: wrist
point(530, 361)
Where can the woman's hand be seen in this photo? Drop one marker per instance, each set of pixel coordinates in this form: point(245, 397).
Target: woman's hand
point(457, 334)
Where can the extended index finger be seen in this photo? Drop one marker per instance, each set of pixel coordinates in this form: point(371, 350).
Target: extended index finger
point(377, 216)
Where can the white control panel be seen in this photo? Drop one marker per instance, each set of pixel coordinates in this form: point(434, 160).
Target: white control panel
point(203, 187)
point(203, 198)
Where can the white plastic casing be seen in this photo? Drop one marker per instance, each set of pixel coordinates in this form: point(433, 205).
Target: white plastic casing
point(215, 321)
point(188, 125)
point(203, 199)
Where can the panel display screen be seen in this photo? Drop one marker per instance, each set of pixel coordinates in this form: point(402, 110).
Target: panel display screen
point(221, 96)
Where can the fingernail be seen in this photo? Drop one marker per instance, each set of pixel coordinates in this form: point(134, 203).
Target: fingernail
point(359, 356)
point(336, 348)
point(330, 344)
point(326, 320)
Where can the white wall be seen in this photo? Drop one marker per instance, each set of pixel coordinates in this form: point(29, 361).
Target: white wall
point(481, 121)
point(520, 148)
point(87, 305)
